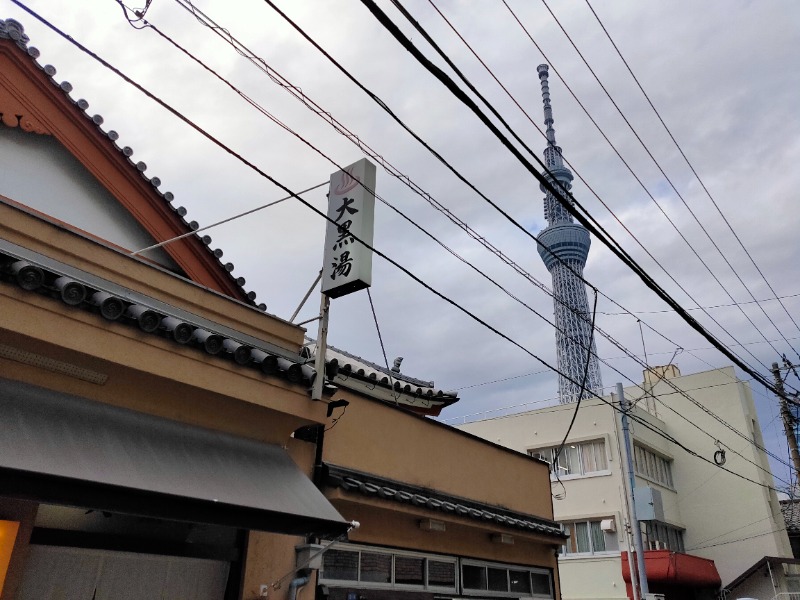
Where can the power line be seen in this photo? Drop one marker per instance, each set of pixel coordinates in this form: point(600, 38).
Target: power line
point(228, 37)
point(687, 395)
point(288, 129)
point(504, 379)
point(407, 44)
point(275, 182)
point(572, 205)
point(694, 172)
point(691, 399)
point(704, 308)
point(675, 189)
point(578, 401)
point(731, 428)
point(295, 91)
point(770, 516)
point(630, 169)
point(380, 338)
point(427, 37)
point(146, 24)
point(457, 71)
point(749, 537)
point(717, 417)
point(418, 280)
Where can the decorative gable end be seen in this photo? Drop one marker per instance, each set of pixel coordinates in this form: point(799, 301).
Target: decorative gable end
point(31, 100)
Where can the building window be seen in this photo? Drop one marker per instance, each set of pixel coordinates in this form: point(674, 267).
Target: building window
point(350, 565)
point(441, 574)
point(491, 579)
point(661, 536)
point(577, 459)
point(652, 466)
point(373, 567)
point(340, 565)
point(376, 567)
point(409, 570)
point(588, 537)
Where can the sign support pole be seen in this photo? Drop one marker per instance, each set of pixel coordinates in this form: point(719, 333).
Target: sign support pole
point(322, 347)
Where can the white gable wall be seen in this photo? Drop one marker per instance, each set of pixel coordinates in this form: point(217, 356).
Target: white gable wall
point(37, 171)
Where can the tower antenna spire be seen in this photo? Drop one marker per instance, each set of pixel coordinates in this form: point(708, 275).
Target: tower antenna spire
point(548, 110)
point(552, 154)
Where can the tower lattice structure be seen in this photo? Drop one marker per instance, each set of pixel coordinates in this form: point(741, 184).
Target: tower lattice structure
point(564, 246)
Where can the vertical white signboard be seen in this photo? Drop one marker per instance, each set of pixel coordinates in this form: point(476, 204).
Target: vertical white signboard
point(347, 264)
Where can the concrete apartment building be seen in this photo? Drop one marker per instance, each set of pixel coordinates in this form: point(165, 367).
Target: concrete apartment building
point(706, 514)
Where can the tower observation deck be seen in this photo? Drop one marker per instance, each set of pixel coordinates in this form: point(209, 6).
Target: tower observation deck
point(564, 246)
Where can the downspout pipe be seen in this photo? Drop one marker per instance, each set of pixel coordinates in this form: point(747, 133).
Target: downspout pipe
point(296, 584)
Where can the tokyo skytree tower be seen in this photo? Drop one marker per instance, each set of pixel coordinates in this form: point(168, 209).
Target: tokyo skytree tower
point(564, 246)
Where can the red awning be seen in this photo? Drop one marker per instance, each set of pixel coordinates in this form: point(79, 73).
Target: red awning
point(675, 569)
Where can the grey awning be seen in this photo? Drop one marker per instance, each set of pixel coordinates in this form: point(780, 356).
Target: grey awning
point(59, 448)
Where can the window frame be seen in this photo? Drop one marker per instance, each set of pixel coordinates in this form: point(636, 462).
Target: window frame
point(546, 454)
point(426, 586)
point(653, 466)
point(570, 527)
point(508, 568)
point(669, 535)
point(458, 565)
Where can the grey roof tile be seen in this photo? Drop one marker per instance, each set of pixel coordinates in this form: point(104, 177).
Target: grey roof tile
point(394, 491)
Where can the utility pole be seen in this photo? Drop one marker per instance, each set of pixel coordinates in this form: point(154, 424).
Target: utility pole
point(635, 527)
point(786, 417)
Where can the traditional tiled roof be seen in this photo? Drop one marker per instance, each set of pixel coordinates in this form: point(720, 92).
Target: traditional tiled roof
point(366, 484)
point(38, 274)
point(358, 374)
point(12, 30)
point(790, 509)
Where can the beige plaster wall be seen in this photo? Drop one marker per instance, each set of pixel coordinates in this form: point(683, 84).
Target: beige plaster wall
point(597, 496)
point(397, 526)
point(377, 438)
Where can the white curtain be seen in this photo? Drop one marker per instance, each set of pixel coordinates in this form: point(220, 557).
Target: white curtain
point(56, 573)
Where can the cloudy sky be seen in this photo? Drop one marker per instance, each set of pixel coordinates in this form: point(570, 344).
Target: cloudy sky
point(723, 74)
